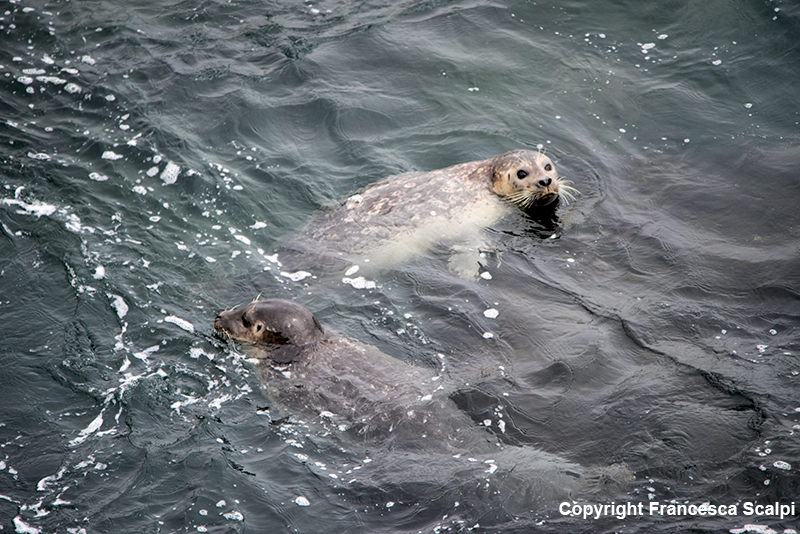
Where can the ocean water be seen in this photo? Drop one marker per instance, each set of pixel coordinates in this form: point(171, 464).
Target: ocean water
point(639, 347)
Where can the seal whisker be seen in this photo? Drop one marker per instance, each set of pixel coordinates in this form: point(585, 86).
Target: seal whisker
point(567, 190)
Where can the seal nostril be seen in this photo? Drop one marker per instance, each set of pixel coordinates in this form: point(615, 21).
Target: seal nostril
point(545, 182)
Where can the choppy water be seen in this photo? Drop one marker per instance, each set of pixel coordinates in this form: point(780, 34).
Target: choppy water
point(155, 155)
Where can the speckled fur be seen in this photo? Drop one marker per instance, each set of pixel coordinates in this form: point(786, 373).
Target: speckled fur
point(406, 214)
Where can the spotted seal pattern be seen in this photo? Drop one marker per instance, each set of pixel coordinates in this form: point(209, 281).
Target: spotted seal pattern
point(406, 214)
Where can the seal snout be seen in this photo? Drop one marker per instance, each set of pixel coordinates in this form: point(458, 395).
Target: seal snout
point(544, 182)
point(219, 325)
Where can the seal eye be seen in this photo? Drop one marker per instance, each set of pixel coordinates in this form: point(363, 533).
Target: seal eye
point(259, 326)
point(522, 174)
point(548, 167)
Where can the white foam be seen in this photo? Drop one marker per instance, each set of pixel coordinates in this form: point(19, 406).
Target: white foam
point(182, 323)
point(491, 313)
point(233, 516)
point(97, 177)
point(352, 270)
point(296, 277)
point(51, 79)
point(111, 155)
point(89, 60)
point(74, 224)
point(217, 403)
point(46, 481)
point(188, 402)
point(73, 88)
point(242, 238)
point(360, 282)
point(196, 352)
point(23, 528)
point(118, 303)
point(761, 529)
point(99, 273)
point(35, 208)
point(93, 427)
point(301, 501)
point(143, 355)
point(170, 173)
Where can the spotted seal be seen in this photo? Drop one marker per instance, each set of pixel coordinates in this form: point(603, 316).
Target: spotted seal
point(403, 216)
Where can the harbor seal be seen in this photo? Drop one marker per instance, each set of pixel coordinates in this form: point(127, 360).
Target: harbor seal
point(355, 387)
point(405, 215)
point(400, 414)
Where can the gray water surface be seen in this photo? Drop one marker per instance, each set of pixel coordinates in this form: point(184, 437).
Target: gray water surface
point(640, 346)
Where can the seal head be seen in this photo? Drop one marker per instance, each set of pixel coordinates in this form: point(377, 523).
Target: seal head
point(286, 329)
point(527, 179)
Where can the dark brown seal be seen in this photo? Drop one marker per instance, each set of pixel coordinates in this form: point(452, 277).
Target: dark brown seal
point(402, 414)
point(355, 386)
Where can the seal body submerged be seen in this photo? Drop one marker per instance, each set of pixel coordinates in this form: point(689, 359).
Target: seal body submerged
point(356, 387)
point(407, 214)
point(402, 414)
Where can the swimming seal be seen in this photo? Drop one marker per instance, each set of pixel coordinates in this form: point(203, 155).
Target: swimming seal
point(403, 216)
point(367, 393)
point(358, 388)
point(388, 406)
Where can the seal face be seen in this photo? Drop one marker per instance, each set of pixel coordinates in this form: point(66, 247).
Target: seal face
point(287, 329)
point(527, 179)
